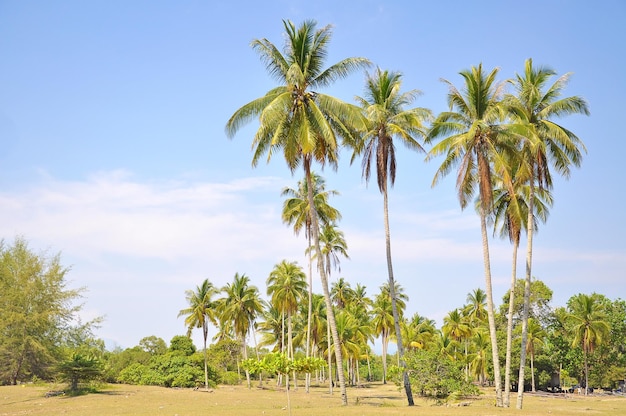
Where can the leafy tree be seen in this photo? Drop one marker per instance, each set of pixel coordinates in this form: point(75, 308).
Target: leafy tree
point(303, 123)
point(436, 376)
point(38, 314)
point(473, 140)
point(80, 368)
point(182, 345)
point(387, 118)
point(153, 345)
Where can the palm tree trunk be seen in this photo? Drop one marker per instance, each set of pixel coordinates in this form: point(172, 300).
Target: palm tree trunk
point(385, 341)
point(586, 371)
point(330, 359)
point(509, 328)
point(394, 306)
point(532, 371)
point(529, 260)
point(205, 333)
point(245, 357)
point(490, 309)
point(320, 265)
point(310, 312)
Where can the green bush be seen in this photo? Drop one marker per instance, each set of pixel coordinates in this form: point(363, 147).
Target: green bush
point(434, 376)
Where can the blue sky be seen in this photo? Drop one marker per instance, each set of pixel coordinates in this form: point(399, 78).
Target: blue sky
point(113, 149)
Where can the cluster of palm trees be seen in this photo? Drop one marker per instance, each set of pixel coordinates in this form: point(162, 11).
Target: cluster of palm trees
point(501, 144)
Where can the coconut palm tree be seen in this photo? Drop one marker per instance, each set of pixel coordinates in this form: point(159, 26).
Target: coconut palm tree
point(384, 106)
point(200, 312)
point(588, 322)
point(296, 212)
point(341, 293)
point(382, 322)
point(536, 336)
point(473, 141)
point(241, 306)
point(286, 286)
point(303, 123)
point(545, 143)
point(333, 244)
point(510, 211)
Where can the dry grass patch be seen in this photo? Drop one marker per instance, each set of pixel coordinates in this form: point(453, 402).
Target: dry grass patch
point(375, 399)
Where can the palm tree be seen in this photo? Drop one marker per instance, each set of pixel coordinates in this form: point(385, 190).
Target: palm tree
point(333, 245)
point(545, 143)
point(341, 293)
point(478, 362)
point(476, 310)
point(457, 327)
point(382, 322)
point(473, 140)
point(536, 336)
point(200, 312)
point(296, 212)
point(384, 107)
point(588, 322)
point(418, 331)
point(241, 306)
point(286, 286)
point(510, 209)
point(303, 123)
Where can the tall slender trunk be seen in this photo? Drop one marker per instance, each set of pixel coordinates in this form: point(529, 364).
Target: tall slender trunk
point(384, 355)
point(245, 357)
point(532, 371)
point(490, 309)
point(310, 312)
point(586, 370)
point(394, 306)
point(320, 265)
point(509, 327)
point(330, 359)
point(529, 261)
point(205, 333)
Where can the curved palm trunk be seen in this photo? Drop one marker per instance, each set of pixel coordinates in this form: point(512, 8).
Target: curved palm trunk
point(529, 260)
point(490, 310)
point(394, 306)
point(320, 265)
point(509, 329)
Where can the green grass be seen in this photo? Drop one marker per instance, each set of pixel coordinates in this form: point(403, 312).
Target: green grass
point(375, 399)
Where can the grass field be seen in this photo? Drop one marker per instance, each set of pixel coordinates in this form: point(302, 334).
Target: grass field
point(375, 399)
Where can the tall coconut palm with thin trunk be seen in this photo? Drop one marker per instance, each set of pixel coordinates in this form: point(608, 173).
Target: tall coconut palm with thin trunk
point(587, 320)
point(286, 286)
point(302, 123)
point(200, 312)
point(241, 305)
point(296, 213)
point(387, 119)
point(473, 141)
point(510, 211)
point(545, 143)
